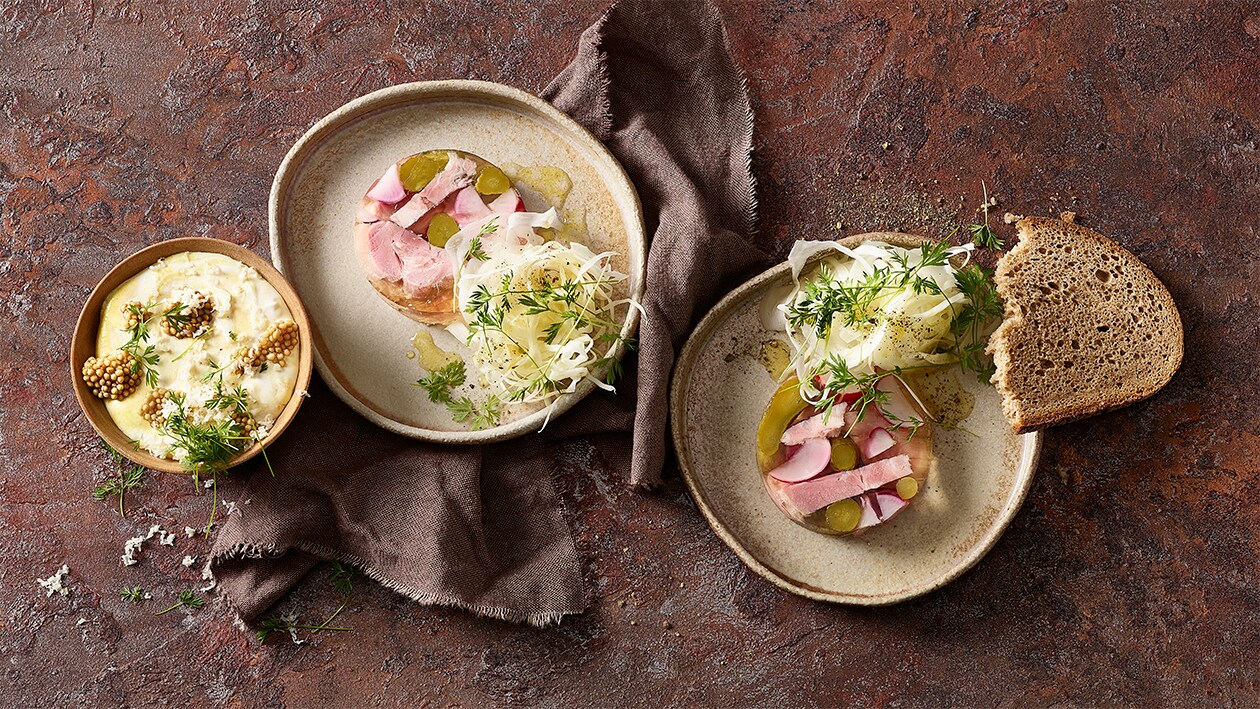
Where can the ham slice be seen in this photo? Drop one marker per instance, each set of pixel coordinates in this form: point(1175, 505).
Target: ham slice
point(816, 427)
point(424, 265)
point(457, 175)
point(813, 495)
point(381, 260)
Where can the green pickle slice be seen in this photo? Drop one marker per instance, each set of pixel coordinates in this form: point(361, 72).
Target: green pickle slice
point(843, 516)
point(491, 180)
point(419, 170)
point(441, 229)
point(907, 488)
point(843, 454)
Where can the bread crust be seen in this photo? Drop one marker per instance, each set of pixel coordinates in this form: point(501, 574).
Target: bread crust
point(1088, 327)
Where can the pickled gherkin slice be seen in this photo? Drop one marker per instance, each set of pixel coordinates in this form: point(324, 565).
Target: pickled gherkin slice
point(441, 229)
point(907, 488)
point(491, 180)
point(784, 406)
point(844, 455)
point(418, 171)
point(843, 516)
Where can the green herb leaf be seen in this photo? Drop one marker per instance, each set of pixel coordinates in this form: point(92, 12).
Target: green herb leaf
point(135, 594)
point(185, 598)
point(439, 383)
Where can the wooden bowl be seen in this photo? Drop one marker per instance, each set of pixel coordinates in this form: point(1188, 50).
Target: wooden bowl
point(87, 329)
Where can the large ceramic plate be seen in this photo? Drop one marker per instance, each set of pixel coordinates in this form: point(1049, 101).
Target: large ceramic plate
point(360, 340)
point(719, 392)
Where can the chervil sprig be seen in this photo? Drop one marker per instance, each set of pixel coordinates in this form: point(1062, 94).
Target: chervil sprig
point(129, 477)
point(185, 598)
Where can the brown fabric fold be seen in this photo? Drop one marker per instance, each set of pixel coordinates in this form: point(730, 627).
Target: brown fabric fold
point(482, 528)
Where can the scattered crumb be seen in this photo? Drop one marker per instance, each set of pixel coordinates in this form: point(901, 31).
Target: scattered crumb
point(1010, 218)
point(885, 145)
point(1068, 216)
point(82, 621)
point(56, 582)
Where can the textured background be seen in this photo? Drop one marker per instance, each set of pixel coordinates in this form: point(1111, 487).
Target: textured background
point(1130, 576)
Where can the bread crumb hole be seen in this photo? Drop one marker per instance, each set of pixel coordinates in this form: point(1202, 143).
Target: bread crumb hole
point(1102, 276)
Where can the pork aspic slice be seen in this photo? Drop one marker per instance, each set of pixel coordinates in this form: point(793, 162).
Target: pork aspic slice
point(879, 460)
point(406, 216)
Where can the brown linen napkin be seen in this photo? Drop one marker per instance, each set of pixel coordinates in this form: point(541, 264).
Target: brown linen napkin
point(482, 528)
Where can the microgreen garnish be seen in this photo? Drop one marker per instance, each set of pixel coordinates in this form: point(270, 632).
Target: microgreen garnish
point(135, 594)
point(440, 382)
point(475, 250)
point(144, 357)
point(342, 577)
point(185, 598)
point(129, 477)
point(478, 415)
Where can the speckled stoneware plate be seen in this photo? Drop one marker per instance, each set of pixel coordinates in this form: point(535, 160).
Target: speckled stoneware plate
point(719, 392)
point(361, 342)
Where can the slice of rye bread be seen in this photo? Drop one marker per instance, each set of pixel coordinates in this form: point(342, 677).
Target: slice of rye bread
point(1087, 328)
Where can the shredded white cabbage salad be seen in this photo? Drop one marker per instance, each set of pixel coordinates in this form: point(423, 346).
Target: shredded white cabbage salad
point(540, 315)
point(876, 306)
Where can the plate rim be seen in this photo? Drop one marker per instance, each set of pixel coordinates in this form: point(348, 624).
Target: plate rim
point(1025, 472)
point(615, 178)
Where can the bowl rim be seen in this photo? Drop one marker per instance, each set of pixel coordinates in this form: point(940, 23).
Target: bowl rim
point(418, 91)
point(1030, 453)
point(83, 343)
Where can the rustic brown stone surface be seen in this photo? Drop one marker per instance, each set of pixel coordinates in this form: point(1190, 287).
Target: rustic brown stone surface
point(1130, 576)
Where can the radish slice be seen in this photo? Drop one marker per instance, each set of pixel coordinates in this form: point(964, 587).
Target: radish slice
point(889, 504)
point(877, 442)
point(389, 188)
point(809, 460)
point(870, 516)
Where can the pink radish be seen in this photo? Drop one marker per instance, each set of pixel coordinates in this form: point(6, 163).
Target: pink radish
point(878, 441)
point(389, 188)
point(870, 516)
point(889, 504)
point(808, 461)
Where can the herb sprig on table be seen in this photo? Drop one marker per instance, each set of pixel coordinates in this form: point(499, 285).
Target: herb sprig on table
point(129, 476)
point(342, 577)
point(185, 598)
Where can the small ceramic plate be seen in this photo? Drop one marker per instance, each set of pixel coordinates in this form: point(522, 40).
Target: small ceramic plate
point(361, 342)
point(719, 393)
point(87, 329)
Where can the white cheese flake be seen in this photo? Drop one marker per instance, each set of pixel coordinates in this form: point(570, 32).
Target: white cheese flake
point(303, 392)
point(189, 532)
point(56, 582)
point(166, 539)
point(208, 484)
point(231, 508)
point(189, 561)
